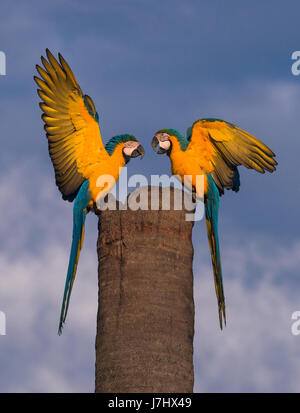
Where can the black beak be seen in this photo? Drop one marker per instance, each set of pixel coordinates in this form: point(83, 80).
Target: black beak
point(161, 151)
point(139, 151)
point(154, 143)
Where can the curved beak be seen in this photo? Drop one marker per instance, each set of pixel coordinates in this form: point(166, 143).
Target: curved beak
point(154, 143)
point(139, 151)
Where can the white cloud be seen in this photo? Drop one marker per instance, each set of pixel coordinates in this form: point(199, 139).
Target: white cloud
point(31, 293)
point(256, 351)
point(33, 275)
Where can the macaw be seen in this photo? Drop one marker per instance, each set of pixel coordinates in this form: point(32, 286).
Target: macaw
point(77, 152)
point(213, 148)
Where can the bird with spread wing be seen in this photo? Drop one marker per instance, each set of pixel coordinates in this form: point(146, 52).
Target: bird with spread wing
point(213, 149)
point(77, 152)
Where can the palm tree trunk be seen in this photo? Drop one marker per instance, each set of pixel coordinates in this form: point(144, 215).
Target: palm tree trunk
point(145, 322)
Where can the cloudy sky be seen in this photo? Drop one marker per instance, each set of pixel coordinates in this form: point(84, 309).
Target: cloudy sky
point(151, 65)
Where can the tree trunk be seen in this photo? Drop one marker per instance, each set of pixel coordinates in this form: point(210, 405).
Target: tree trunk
point(145, 322)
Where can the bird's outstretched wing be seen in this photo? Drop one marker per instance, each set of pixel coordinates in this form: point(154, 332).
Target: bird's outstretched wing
point(222, 146)
point(71, 125)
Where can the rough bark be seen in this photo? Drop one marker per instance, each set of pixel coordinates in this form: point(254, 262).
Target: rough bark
point(145, 322)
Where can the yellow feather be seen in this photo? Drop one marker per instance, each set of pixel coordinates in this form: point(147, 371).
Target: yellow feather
point(69, 72)
point(44, 87)
point(75, 143)
point(55, 65)
point(52, 130)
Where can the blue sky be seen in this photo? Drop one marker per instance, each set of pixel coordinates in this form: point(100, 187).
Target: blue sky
point(152, 65)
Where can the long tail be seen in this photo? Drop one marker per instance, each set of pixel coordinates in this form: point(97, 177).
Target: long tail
point(211, 200)
point(79, 214)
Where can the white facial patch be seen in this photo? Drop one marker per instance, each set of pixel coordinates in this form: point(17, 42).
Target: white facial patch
point(163, 140)
point(130, 146)
point(165, 144)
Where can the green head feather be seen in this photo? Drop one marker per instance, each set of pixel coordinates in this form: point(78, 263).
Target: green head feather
point(113, 142)
point(181, 139)
point(189, 133)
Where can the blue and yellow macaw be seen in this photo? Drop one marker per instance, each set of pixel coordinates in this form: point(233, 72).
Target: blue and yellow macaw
point(213, 148)
point(77, 152)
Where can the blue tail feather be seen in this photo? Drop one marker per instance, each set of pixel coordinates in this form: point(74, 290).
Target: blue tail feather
point(211, 212)
point(236, 181)
point(79, 214)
